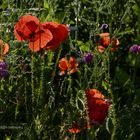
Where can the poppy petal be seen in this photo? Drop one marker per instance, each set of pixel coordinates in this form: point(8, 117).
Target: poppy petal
point(63, 64)
point(53, 44)
point(63, 32)
point(25, 26)
point(115, 42)
point(73, 63)
point(30, 23)
point(94, 93)
point(18, 32)
point(22, 36)
point(104, 39)
point(73, 70)
point(62, 73)
point(59, 32)
point(5, 49)
point(42, 39)
point(104, 35)
point(32, 26)
point(28, 18)
point(53, 27)
point(97, 106)
point(101, 49)
point(74, 129)
point(50, 25)
point(69, 66)
point(98, 112)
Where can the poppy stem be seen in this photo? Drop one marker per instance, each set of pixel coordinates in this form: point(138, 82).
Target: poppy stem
point(56, 63)
point(26, 99)
point(86, 111)
point(41, 81)
point(32, 86)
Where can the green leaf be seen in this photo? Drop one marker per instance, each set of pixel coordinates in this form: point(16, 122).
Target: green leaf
point(122, 76)
point(10, 88)
point(83, 46)
point(105, 85)
point(109, 125)
point(137, 96)
point(8, 138)
point(80, 104)
point(46, 5)
point(136, 9)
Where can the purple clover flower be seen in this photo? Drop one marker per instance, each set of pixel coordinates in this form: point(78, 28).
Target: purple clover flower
point(138, 48)
point(3, 69)
point(3, 65)
point(88, 57)
point(3, 73)
point(104, 26)
point(135, 48)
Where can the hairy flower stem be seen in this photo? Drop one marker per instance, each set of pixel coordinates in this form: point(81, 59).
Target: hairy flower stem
point(26, 98)
point(95, 73)
point(41, 81)
point(32, 86)
point(112, 97)
point(16, 109)
point(113, 135)
point(34, 99)
point(56, 63)
point(115, 120)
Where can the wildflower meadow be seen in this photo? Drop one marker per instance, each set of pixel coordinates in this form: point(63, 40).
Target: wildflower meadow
point(69, 70)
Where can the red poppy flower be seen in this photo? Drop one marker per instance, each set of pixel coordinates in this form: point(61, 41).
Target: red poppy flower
point(77, 129)
point(68, 65)
point(59, 32)
point(4, 47)
point(101, 49)
point(104, 39)
point(97, 106)
point(41, 38)
point(114, 43)
point(63, 65)
point(74, 129)
point(97, 110)
point(73, 65)
point(29, 28)
point(25, 27)
point(104, 42)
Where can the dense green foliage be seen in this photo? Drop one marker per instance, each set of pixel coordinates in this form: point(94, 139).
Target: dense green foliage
point(37, 103)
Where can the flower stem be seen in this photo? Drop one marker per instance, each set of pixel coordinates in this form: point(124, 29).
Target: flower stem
point(32, 86)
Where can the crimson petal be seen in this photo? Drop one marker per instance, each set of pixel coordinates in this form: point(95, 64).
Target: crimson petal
point(43, 38)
